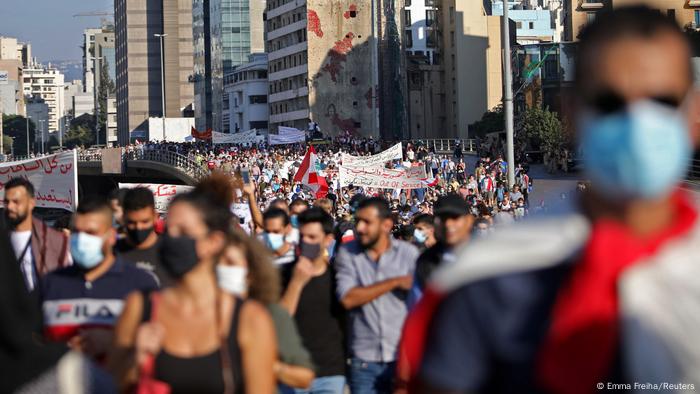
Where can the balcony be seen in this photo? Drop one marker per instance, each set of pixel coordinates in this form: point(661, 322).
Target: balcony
point(589, 5)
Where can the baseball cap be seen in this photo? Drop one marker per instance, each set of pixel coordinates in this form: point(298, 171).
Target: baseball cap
point(451, 205)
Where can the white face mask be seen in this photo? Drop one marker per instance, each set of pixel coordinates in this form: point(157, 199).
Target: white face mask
point(232, 279)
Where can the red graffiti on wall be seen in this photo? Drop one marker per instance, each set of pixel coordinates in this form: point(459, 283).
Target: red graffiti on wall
point(314, 23)
point(338, 55)
point(351, 9)
point(344, 124)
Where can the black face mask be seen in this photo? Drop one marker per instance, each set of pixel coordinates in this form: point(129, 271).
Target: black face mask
point(178, 254)
point(138, 236)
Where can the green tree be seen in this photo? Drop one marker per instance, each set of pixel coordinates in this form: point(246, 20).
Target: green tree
point(7, 144)
point(16, 126)
point(492, 121)
point(78, 135)
point(543, 130)
point(106, 90)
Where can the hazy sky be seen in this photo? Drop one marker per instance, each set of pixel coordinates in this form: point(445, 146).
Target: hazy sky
point(49, 25)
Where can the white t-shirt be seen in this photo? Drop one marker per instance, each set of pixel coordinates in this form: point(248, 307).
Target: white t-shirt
point(19, 242)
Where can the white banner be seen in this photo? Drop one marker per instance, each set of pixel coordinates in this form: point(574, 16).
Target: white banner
point(382, 178)
point(244, 137)
point(393, 153)
point(55, 179)
point(162, 194)
point(287, 135)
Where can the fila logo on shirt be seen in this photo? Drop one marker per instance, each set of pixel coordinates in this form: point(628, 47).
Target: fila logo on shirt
point(82, 311)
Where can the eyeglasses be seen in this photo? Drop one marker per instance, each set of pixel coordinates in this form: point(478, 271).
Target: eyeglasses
point(609, 102)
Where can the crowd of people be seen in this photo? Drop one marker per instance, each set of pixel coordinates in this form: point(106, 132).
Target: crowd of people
point(256, 285)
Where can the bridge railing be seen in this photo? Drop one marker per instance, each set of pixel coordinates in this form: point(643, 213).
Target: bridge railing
point(173, 159)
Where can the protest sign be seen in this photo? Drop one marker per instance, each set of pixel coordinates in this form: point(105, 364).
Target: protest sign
point(287, 135)
point(393, 153)
point(382, 178)
point(162, 194)
point(245, 137)
point(242, 212)
point(55, 179)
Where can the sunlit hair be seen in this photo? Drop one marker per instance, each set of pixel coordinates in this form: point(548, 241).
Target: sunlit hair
point(264, 277)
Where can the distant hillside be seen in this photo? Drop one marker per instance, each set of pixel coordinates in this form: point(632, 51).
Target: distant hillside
point(71, 69)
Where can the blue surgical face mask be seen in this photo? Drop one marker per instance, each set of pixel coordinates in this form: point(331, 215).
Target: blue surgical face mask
point(86, 250)
point(274, 241)
point(419, 236)
point(640, 152)
point(294, 220)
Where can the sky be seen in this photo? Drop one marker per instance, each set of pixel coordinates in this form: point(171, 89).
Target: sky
point(49, 25)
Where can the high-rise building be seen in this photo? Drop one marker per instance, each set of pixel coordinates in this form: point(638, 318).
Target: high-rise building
point(88, 49)
point(225, 32)
point(245, 105)
point(532, 25)
point(462, 78)
point(138, 61)
point(46, 83)
point(335, 63)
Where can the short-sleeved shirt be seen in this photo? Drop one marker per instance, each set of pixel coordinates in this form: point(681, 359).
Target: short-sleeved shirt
point(375, 328)
point(147, 259)
point(71, 303)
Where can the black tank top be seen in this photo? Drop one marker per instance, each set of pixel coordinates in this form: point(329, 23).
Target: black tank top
point(200, 374)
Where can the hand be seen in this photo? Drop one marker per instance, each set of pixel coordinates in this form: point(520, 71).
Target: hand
point(303, 271)
point(249, 189)
point(404, 282)
point(149, 340)
point(92, 342)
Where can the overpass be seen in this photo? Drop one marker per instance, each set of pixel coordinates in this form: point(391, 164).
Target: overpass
point(138, 166)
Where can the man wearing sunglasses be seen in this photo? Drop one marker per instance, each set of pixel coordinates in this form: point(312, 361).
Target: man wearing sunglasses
point(607, 296)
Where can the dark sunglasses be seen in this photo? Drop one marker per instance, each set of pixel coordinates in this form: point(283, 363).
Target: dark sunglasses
point(610, 102)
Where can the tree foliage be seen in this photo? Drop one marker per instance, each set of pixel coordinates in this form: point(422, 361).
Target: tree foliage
point(106, 90)
point(16, 126)
point(78, 136)
point(542, 130)
point(492, 121)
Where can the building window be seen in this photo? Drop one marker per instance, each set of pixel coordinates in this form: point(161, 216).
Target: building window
point(407, 17)
point(532, 25)
point(671, 14)
point(590, 17)
point(407, 3)
point(430, 17)
point(697, 18)
point(260, 124)
point(518, 25)
point(409, 39)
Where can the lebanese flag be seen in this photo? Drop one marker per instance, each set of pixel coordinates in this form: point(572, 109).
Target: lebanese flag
point(308, 176)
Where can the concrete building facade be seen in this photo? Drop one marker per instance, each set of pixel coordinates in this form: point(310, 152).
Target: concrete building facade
point(225, 32)
point(39, 112)
point(245, 106)
point(138, 61)
point(328, 61)
point(46, 83)
point(11, 87)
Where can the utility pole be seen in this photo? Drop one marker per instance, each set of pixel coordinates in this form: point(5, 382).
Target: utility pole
point(375, 70)
point(161, 37)
point(28, 134)
point(508, 97)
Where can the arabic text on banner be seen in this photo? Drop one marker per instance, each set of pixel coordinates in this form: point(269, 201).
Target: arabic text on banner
point(287, 135)
point(162, 194)
point(245, 137)
point(55, 179)
point(382, 178)
point(393, 153)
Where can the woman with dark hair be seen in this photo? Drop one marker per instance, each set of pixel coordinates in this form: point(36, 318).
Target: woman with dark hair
point(246, 270)
point(193, 336)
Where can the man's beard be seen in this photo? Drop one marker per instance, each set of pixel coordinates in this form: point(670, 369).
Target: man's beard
point(370, 244)
point(14, 222)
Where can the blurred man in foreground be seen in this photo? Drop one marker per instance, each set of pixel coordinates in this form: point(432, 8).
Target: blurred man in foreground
point(608, 295)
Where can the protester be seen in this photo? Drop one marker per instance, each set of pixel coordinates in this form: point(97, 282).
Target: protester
point(192, 336)
point(424, 233)
point(116, 200)
point(453, 228)
point(38, 248)
point(81, 303)
point(374, 275)
point(245, 270)
point(604, 295)
point(141, 246)
point(279, 236)
point(310, 297)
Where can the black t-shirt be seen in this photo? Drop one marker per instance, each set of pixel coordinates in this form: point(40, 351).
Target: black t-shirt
point(320, 319)
point(146, 259)
point(427, 262)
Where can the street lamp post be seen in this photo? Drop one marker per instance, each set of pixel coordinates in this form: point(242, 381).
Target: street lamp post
point(94, 88)
point(28, 134)
point(508, 97)
point(161, 37)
